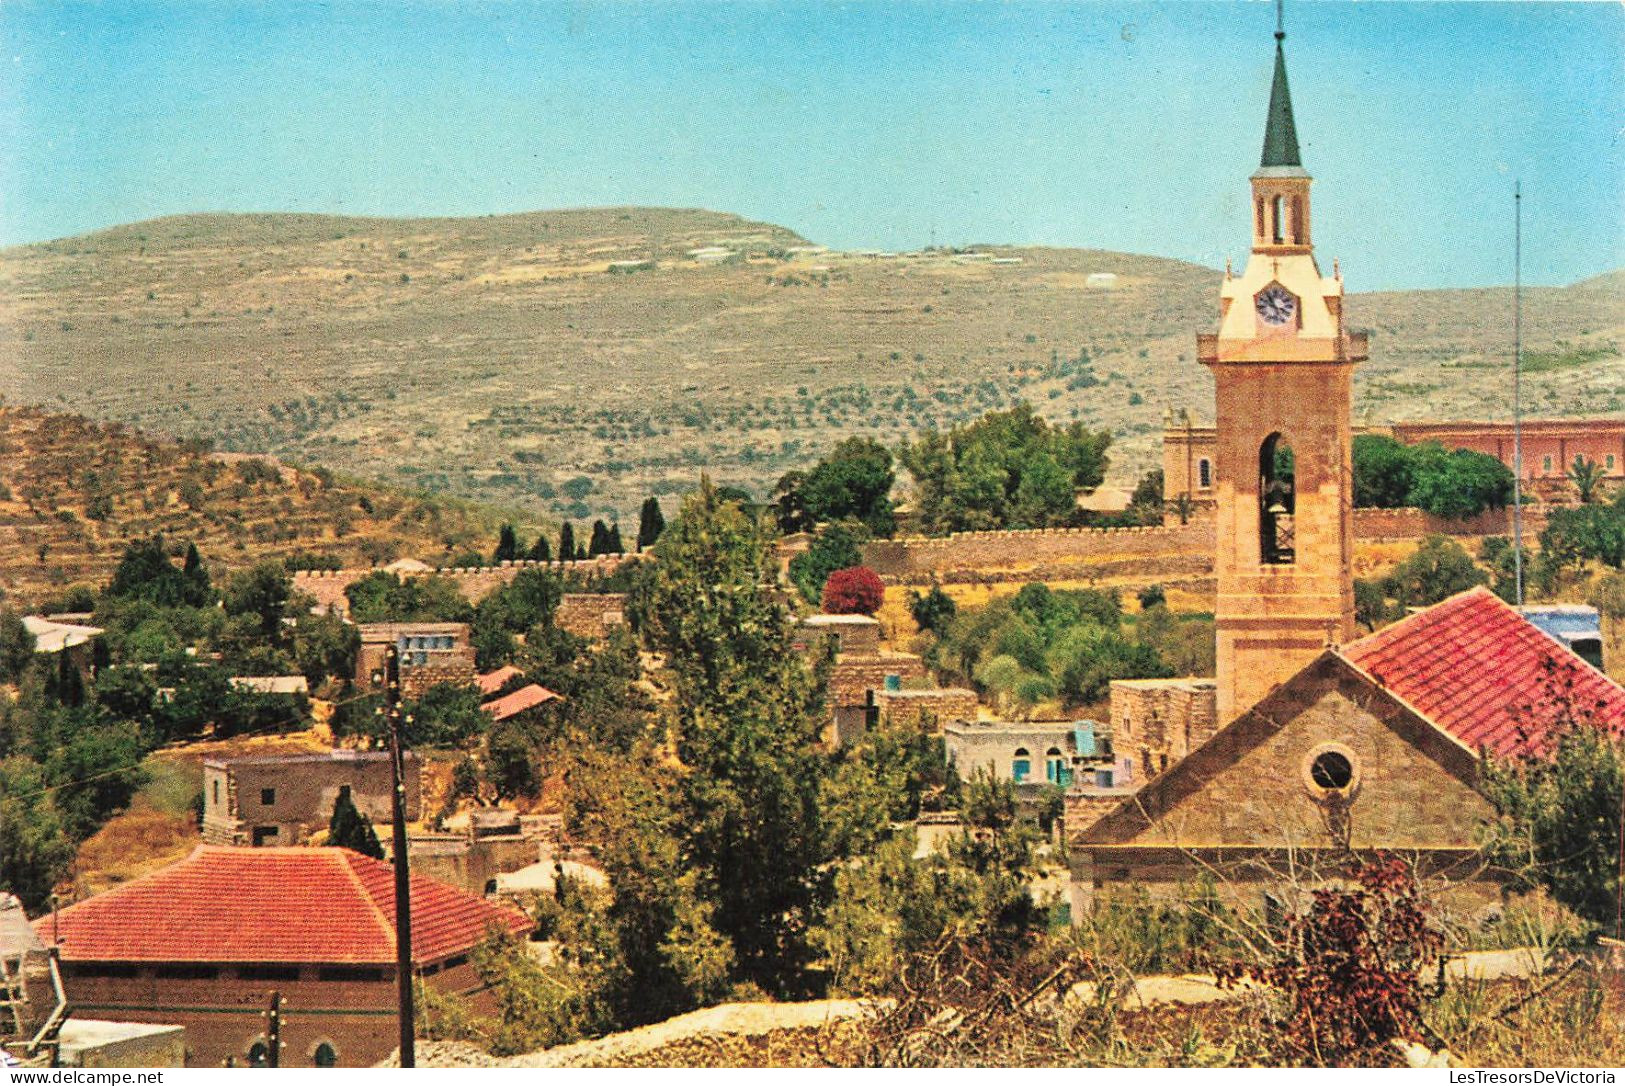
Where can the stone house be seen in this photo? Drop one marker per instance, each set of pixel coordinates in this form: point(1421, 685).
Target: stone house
point(1034, 753)
point(430, 653)
point(204, 942)
point(278, 800)
point(1373, 745)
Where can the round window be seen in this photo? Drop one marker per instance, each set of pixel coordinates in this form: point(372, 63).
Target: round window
point(326, 1055)
point(1331, 769)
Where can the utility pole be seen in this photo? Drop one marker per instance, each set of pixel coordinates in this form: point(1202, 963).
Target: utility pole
point(403, 884)
point(1517, 387)
point(273, 1031)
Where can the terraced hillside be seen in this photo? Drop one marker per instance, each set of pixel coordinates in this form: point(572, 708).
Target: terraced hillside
point(73, 491)
point(573, 362)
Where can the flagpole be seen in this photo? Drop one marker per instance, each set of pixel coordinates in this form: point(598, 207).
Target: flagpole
point(1517, 378)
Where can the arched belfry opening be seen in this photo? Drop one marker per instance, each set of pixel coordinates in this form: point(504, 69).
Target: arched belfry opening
point(1276, 502)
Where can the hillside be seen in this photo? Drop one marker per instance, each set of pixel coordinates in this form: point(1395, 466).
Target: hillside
point(73, 491)
point(572, 362)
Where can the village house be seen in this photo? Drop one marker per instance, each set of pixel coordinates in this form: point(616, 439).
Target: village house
point(205, 942)
point(430, 653)
point(72, 642)
point(279, 800)
point(861, 668)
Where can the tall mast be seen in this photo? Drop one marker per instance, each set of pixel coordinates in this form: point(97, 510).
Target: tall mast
point(1517, 381)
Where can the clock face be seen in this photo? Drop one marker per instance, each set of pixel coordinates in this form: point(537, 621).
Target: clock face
point(1275, 306)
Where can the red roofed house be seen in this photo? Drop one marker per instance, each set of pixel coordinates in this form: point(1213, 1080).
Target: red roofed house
point(1373, 745)
point(492, 681)
point(203, 943)
point(526, 697)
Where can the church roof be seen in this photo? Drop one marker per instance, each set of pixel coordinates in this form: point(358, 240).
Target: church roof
point(1476, 668)
point(321, 905)
point(1280, 157)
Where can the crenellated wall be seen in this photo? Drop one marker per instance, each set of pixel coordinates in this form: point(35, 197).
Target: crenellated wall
point(327, 586)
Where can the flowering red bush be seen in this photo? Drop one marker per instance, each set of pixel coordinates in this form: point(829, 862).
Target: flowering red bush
point(854, 591)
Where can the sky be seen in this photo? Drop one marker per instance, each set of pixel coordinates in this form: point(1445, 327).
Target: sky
point(889, 125)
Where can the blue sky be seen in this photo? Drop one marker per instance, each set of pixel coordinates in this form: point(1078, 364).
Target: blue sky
point(860, 125)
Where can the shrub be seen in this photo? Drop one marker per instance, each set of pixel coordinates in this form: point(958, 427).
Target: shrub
point(854, 591)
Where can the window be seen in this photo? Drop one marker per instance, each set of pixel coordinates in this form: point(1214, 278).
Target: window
point(268, 972)
point(217, 793)
point(1260, 212)
point(262, 834)
point(1278, 208)
point(1054, 766)
point(326, 1055)
point(1021, 767)
point(1609, 465)
point(100, 969)
point(1546, 465)
point(259, 1055)
point(1276, 493)
point(268, 797)
point(1298, 237)
point(454, 961)
point(1331, 770)
point(1204, 473)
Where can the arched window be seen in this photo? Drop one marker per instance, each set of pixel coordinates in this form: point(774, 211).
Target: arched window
point(1275, 502)
point(1277, 226)
point(1204, 473)
point(326, 1055)
point(1021, 767)
point(1300, 236)
point(1260, 211)
point(259, 1055)
point(1055, 768)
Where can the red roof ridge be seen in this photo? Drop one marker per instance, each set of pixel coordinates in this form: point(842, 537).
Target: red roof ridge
point(346, 860)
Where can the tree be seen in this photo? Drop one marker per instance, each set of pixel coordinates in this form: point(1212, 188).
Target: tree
point(1437, 569)
point(509, 763)
point(789, 505)
point(614, 541)
point(1383, 474)
point(599, 543)
point(1148, 491)
point(651, 522)
point(540, 551)
point(16, 646)
point(34, 849)
point(197, 577)
point(855, 591)
point(852, 483)
point(1007, 469)
point(349, 828)
point(1457, 484)
point(567, 542)
point(934, 610)
point(146, 573)
point(507, 545)
point(1574, 536)
point(1586, 475)
point(262, 593)
point(746, 718)
point(381, 596)
point(837, 546)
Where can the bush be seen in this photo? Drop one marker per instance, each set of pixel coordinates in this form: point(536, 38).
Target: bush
point(854, 591)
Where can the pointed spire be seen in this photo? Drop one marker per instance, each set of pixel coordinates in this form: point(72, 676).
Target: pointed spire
point(1280, 135)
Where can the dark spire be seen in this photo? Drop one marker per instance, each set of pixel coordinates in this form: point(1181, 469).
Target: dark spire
point(1280, 135)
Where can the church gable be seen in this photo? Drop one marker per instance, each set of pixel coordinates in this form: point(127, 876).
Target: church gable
point(1327, 755)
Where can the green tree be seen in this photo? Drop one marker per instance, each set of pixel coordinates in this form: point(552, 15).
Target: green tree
point(1437, 569)
point(146, 573)
point(381, 596)
point(651, 522)
point(261, 592)
point(349, 828)
point(507, 545)
point(1148, 491)
point(1587, 476)
point(567, 542)
point(34, 849)
point(1383, 474)
point(932, 611)
point(1006, 469)
point(852, 483)
point(16, 646)
point(599, 542)
point(1457, 484)
point(540, 551)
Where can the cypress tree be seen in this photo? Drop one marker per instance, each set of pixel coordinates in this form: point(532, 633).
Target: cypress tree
point(507, 545)
point(199, 593)
point(650, 523)
point(350, 829)
point(599, 544)
point(615, 544)
point(567, 542)
point(540, 551)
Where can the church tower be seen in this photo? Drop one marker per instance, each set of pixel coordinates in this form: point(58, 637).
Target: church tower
point(1282, 366)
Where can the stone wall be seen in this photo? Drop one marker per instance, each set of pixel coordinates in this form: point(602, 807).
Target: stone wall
point(305, 788)
point(937, 706)
point(854, 675)
point(1379, 525)
point(919, 555)
point(1165, 718)
point(590, 615)
point(327, 586)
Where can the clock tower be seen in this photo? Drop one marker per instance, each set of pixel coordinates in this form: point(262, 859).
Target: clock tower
point(1282, 366)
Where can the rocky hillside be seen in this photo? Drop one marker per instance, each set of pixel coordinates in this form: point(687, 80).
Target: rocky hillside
point(574, 361)
point(73, 491)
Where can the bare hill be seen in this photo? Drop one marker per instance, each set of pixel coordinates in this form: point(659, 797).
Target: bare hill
point(572, 362)
point(74, 491)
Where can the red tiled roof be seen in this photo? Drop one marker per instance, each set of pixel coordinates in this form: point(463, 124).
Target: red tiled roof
point(273, 905)
point(526, 697)
point(492, 681)
point(1479, 670)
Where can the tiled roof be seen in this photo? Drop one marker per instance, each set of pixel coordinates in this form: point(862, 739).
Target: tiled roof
point(492, 681)
point(526, 697)
point(1482, 672)
point(289, 905)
